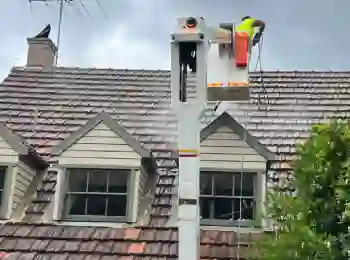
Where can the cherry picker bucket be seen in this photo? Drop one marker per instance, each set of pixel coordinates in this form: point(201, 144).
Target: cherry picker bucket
point(227, 70)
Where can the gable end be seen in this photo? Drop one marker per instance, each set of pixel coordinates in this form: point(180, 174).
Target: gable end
point(104, 118)
point(226, 120)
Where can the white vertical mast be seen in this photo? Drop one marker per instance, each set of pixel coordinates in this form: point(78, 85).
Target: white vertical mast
point(183, 43)
point(190, 45)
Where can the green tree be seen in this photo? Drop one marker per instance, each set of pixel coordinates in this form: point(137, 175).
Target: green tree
point(314, 222)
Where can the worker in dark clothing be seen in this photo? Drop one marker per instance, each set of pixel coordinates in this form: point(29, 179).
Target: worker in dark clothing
point(248, 25)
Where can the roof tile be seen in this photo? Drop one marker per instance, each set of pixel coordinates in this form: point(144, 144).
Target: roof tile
point(71, 246)
point(137, 248)
point(8, 244)
point(132, 233)
point(4, 255)
point(40, 245)
point(105, 247)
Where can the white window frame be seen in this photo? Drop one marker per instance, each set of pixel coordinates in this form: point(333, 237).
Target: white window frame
point(7, 191)
point(259, 196)
point(60, 212)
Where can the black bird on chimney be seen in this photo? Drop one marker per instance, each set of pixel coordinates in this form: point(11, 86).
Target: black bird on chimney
point(45, 32)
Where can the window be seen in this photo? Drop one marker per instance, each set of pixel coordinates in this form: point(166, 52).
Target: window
point(227, 198)
point(97, 194)
point(3, 171)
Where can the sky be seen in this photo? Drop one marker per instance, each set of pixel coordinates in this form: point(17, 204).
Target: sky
point(134, 34)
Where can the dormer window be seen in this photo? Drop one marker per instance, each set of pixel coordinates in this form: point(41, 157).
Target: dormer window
point(4, 191)
point(228, 198)
point(3, 171)
point(98, 194)
point(233, 175)
point(99, 170)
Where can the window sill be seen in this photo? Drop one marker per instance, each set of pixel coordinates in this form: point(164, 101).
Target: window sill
point(242, 230)
point(230, 223)
point(92, 224)
point(7, 221)
point(96, 219)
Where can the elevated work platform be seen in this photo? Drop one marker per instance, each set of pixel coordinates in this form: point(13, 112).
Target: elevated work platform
point(228, 66)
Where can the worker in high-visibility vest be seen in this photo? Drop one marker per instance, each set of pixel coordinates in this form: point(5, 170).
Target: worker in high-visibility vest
point(248, 25)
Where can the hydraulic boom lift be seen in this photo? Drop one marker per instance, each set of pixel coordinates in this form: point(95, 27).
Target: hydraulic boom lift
point(219, 57)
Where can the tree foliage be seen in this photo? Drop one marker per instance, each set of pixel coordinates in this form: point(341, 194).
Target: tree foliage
point(314, 222)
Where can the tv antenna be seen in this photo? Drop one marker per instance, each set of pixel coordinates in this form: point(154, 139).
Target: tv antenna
point(60, 17)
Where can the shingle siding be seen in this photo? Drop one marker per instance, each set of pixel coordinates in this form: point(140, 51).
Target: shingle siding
point(24, 177)
point(225, 150)
point(100, 146)
point(7, 153)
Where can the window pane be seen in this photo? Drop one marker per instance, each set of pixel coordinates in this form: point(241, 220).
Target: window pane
point(247, 184)
point(2, 177)
point(223, 208)
point(77, 180)
point(244, 209)
point(96, 205)
point(98, 181)
point(76, 204)
point(205, 207)
point(117, 205)
point(118, 181)
point(223, 184)
point(206, 184)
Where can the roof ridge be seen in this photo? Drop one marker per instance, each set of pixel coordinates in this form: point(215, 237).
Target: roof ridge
point(24, 68)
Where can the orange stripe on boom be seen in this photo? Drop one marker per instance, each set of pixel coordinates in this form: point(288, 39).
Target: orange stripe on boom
point(216, 84)
point(229, 84)
point(238, 84)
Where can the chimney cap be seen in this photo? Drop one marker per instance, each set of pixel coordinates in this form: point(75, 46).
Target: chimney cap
point(42, 40)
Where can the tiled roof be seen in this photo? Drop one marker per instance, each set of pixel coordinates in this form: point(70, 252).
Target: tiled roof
point(166, 167)
point(290, 104)
point(45, 108)
point(23, 241)
point(155, 240)
point(21, 147)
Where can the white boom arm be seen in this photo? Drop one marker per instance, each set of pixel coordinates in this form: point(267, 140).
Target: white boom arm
point(184, 42)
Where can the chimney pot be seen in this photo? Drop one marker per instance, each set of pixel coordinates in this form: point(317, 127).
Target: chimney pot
point(41, 53)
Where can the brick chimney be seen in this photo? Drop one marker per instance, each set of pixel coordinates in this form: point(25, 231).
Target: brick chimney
point(41, 53)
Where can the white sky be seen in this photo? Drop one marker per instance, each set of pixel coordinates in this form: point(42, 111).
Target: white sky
point(299, 34)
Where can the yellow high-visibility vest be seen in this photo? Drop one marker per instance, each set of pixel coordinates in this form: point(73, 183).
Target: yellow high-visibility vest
point(247, 26)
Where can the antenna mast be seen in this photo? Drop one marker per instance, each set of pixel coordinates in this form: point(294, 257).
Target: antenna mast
point(59, 30)
point(62, 2)
point(60, 17)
